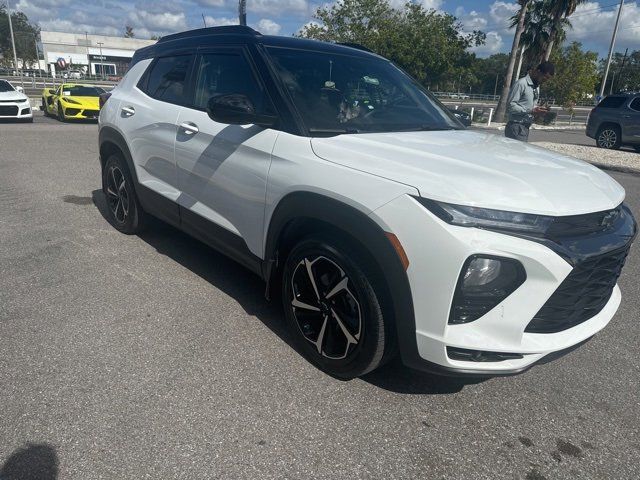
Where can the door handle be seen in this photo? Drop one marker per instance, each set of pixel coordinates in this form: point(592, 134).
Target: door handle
point(189, 128)
point(128, 111)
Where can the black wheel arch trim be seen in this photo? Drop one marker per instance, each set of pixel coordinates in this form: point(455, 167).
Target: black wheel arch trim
point(316, 207)
point(111, 135)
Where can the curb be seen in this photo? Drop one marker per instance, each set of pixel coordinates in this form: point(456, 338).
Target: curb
point(616, 168)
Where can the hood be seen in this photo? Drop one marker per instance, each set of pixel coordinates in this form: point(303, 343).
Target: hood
point(13, 95)
point(86, 102)
point(478, 169)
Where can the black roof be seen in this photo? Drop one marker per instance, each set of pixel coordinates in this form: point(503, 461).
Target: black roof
point(237, 34)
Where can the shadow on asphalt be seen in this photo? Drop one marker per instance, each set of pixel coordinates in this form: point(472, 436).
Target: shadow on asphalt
point(248, 290)
point(33, 462)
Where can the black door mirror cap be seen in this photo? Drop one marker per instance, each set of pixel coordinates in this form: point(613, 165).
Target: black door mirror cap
point(237, 109)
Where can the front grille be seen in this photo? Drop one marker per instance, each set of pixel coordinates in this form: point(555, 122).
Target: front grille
point(576, 225)
point(582, 295)
point(6, 110)
point(91, 113)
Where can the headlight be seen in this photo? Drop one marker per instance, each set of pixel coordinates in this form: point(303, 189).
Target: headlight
point(465, 216)
point(24, 100)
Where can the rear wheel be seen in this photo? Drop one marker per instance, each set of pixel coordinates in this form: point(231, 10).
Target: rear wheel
point(124, 210)
point(44, 107)
point(332, 308)
point(609, 137)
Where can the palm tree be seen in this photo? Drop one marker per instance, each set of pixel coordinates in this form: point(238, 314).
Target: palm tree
point(537, 31)
point(558, 10)
point(502, 104)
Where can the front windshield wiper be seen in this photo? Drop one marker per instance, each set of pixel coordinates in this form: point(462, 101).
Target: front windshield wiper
point(333, 131)
point(431, 128)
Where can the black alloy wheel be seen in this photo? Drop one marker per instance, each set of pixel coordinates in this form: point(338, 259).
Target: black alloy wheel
point(332, 308)
point(124, 210)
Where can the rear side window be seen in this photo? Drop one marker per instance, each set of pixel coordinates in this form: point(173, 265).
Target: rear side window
point(612, 102)
point(635, 105)
point(226, 73)
point(167, 79)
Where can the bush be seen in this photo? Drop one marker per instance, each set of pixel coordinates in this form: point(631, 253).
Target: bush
point(544, 118)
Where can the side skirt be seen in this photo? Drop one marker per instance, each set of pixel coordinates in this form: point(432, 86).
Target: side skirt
point(216, 237)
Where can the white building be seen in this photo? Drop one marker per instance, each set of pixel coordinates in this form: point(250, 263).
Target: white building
point(91, 54)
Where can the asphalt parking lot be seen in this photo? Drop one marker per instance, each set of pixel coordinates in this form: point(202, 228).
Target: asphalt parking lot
point(153, 356)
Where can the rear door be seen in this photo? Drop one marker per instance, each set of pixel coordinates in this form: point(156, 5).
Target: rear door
point(222, 169)
point(631, 123)
point(148, 115)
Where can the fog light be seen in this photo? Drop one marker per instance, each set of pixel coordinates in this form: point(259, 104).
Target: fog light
point(484, 282)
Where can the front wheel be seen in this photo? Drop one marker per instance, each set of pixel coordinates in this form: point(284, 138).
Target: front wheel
point(332, 308)
point(61, 116)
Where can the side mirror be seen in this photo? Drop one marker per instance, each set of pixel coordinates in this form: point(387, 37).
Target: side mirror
point(19, 89)
point(237, 109)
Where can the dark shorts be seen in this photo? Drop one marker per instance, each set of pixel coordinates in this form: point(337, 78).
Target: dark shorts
point(517, 131)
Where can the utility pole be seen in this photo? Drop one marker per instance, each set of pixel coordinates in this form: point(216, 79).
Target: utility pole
point(613, 42)
point(13, 44)
point(242, 12)
point(204, 21)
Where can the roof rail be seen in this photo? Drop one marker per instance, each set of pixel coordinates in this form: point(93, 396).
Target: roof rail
point(355, 45)
point(227, 29)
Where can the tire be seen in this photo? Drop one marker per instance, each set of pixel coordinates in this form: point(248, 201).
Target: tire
point(609, 137)
point(61, 116)
point(44, 107)
point(124, 211)
point(338, 325)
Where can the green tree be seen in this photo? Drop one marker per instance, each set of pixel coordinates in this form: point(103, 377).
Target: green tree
point(128, 31)
point(624, 74)
point(576, 75)
point(25, 34)
point(490, 73)
point(427, 44)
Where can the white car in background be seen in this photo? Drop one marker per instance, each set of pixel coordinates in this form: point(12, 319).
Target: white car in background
point(13, 103)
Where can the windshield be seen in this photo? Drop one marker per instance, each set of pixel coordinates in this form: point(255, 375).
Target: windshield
point(5, 86)
point(82, 91)
point(337, 93)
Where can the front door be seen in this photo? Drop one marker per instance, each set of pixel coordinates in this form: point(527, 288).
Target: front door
point(222, 169)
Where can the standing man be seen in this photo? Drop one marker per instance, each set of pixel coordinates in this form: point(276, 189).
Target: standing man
point(523, 100)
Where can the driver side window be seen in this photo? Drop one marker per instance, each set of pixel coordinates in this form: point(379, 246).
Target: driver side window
point(226, 73)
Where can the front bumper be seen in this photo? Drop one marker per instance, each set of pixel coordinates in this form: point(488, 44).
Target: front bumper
point(437, 251)
point(16, 110)
point(81, 113)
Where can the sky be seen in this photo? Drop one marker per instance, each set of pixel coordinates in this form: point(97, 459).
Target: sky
point(592, 23)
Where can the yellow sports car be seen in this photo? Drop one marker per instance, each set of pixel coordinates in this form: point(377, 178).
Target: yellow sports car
point(72, 101)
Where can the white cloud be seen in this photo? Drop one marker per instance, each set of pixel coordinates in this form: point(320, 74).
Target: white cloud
point(268, 27)
point(593, 22)
point(495, 23)
point(220, 22)
point(58, 25)
point(163, 22)
point(274, 7)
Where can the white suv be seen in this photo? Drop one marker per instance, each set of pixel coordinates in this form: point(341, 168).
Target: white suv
point(389, 227)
